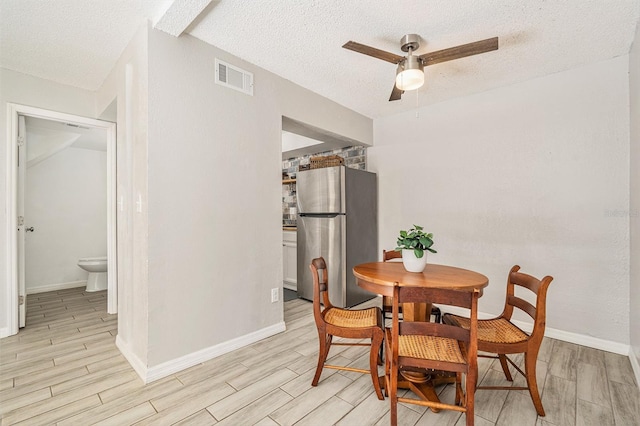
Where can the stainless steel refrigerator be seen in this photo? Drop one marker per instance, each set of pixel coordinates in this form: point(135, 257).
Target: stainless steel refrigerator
point(338, 220)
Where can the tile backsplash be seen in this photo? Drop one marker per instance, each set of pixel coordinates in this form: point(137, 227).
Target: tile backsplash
point(354, 157)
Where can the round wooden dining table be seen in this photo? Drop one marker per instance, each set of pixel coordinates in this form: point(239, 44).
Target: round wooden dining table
point(380, 278)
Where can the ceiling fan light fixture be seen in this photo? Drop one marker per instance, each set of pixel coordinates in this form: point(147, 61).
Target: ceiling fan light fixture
point(410, 72)
point(410, 75)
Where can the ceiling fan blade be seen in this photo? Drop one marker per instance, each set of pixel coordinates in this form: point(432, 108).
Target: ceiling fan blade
point(396, 93)
point(461, 51)
point(372, 51)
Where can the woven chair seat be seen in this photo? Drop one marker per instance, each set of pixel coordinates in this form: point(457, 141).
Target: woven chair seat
point(430, 347)
point(495, 331)
point(352, 318)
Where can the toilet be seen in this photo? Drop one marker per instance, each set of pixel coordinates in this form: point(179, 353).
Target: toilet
point(97, 268)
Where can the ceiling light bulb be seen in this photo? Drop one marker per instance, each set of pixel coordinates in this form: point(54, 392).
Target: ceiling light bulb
point(410, 74)
point(410, 79)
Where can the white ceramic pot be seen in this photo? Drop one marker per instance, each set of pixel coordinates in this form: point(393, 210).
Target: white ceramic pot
point(412, 263)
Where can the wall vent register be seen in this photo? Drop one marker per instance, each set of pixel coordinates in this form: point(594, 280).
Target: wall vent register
point(233, 77)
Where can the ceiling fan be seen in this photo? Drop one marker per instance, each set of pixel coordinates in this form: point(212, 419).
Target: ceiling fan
point(410, 74)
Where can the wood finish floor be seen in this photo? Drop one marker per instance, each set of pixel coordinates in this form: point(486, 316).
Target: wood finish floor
point(64, 369)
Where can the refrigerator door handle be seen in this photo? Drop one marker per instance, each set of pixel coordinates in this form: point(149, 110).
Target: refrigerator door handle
point(320, 215)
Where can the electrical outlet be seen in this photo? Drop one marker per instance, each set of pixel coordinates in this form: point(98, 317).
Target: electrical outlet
point(275, 295)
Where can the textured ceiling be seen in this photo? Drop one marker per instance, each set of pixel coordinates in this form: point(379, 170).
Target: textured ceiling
point(74, 42)
point(78, 41)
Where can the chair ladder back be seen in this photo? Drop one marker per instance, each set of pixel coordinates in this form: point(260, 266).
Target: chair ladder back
point(524, 281)
point(386, 256)
point(391, 254)
point(536, 286)
point(435, 346)
point(540, 320)
point(344, 323)
point(523, 305)
point(527, 344)
point(320, 286)
point(435, 329)
point(464, 299)
point(436, 295)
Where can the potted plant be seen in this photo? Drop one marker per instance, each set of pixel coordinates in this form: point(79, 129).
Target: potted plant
point(414, 244)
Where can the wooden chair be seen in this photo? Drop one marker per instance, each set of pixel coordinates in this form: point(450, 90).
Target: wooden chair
point(500, 336)
point(412, 346)
point(386, 300)
point(348, 323)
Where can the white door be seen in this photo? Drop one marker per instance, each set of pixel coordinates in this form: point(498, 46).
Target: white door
point(22, 177)
point(16, 174)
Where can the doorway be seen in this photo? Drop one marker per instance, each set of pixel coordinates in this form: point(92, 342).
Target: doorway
point(19, 223)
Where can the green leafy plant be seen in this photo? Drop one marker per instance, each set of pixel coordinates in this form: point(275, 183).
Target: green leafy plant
point(417, 240)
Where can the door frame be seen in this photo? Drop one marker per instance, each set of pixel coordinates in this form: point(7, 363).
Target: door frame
point(13, 110)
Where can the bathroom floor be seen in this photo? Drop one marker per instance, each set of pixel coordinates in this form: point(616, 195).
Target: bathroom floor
point(66, 310)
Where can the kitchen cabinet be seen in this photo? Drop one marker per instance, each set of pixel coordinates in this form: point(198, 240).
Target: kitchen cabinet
point(290, 260)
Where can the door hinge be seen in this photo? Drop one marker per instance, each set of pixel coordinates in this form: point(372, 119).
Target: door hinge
point(21, 300)
point(20, 140)
point(20, 220)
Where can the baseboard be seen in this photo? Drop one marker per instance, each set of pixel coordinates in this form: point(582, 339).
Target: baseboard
point(136, 363)
point(5, 332)
point(290, 286)
point(151, 374)
point(167, 368)
point(54, 287)
point(581, 339)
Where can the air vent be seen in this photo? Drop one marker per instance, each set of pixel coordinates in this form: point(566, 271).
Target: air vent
point(229, 76)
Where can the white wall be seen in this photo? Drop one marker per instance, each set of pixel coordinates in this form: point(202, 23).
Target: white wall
point(128, 84)
point(26, 90)
point(634, 217)
point(531, 174)
point(215, 232)
point(66, 203)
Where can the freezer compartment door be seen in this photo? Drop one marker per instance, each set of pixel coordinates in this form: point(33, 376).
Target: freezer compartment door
point(321, 190)
point(322, 236)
